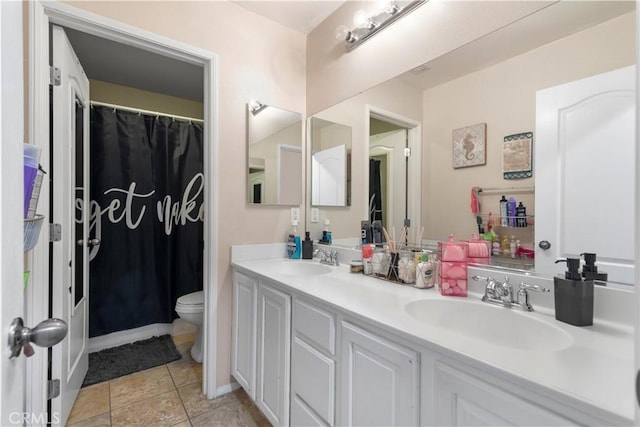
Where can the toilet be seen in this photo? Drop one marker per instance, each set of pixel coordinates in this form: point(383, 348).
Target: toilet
point(190, 307)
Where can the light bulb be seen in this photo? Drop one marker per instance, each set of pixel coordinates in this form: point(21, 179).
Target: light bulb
point(341, 32)
point(361, 19)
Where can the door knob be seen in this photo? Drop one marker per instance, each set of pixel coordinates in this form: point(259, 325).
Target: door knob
point(544, 245)
point(46, 334)
point(90, 242)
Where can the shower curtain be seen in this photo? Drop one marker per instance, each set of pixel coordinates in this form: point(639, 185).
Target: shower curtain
point(146, 209)
point(375, 195)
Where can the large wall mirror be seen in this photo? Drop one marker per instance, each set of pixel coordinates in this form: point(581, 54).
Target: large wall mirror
point(274, 147)
point(491, 81)
point(330, 163)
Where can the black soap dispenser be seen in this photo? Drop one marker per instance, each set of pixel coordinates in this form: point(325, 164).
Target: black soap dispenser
point(307, 246)
point(590, 270)
point(573, 295)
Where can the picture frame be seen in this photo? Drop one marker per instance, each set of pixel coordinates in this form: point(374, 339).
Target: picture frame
point(469, 146)
point(517, 156)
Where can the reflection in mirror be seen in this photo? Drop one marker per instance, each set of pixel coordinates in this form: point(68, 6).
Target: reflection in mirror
point(330, 163)
point(274, 147)
point(388, 174)
point(493, 80)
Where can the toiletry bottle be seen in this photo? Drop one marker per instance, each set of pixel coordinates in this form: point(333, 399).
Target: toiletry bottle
point(504, 221)
point(505, 246)
point(307, 246)
point(512, 247)
point(294, 247)
point(521, 215)
point(495, 245)
point(590, 270)
point(511, 211)
point(573, 295)
point(326, 234)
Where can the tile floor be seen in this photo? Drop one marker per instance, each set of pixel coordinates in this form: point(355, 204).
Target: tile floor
point(167, 395)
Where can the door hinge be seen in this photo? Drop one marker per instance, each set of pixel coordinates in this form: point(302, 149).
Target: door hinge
point(53, 389)
point(55, 232)
point(407, 152)
point(54, 76)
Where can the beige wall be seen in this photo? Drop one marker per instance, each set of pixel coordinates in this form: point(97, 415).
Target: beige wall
point(257, 59)
point(437, 27)
point(503, 97)
point(145, 100)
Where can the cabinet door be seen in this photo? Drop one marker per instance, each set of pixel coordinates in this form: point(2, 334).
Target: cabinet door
point(243, 345)
point(379, 381)
point(585, 173)
point(274, 347)
point(464, 400)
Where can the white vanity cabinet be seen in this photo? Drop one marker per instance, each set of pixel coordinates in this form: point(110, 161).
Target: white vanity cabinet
point(261, 345)
point(313, 365)
point(274, 349)
point(243, 337)
point(379, 380)
point(466, 400)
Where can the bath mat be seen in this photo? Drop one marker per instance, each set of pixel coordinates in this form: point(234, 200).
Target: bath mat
point(129, 358)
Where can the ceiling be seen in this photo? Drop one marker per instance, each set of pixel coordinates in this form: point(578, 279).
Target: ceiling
point(121, 64)
point(300, 15)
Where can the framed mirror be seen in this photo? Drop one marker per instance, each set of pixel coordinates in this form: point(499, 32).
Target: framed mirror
point(330, 163)
point(274, 155)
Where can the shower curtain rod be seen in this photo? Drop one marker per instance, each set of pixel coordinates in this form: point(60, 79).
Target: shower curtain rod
point(148, 112)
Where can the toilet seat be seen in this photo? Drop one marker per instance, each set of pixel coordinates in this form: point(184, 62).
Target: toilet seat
point(191, 303)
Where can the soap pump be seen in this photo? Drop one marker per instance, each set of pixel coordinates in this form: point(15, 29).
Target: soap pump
point(590, 270)
point(307, 246)
point(573, 295)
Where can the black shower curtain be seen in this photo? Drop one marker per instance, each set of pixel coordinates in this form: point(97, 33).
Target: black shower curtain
point(146, 203)
point(375, 194)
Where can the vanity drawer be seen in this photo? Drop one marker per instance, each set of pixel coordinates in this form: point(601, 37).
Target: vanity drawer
point(315, 325)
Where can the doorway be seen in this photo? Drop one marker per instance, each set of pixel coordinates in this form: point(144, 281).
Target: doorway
point(41, 15)
point(394, 174)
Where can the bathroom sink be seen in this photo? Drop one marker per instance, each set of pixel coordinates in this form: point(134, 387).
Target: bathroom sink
point(301, 268)
point(491, 324)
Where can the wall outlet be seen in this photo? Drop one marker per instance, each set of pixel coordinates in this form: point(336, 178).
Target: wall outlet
point(295, 214)
point(315, 215)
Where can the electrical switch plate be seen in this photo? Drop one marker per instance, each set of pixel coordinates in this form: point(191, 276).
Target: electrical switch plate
point(295, 214)
point(315, 216)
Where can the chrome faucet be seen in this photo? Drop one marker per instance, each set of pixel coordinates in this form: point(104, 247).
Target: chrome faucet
point(327, 256)
point(501, 293)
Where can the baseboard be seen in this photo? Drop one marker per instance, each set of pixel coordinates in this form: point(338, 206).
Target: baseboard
point(227, 388)
point(127, 337)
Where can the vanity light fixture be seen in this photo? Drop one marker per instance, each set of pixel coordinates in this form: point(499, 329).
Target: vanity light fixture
point(256, 107)
point(367, 26)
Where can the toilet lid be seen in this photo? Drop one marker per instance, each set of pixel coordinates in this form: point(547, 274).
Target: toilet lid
point(195, 298)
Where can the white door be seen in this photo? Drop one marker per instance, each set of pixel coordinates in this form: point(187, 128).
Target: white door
point(585, 173)
point(329, 168)
point(70, 193)
point(12, 371)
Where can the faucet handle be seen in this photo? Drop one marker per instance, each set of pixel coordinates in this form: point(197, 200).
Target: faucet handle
point(477, 278)
point(526, 287)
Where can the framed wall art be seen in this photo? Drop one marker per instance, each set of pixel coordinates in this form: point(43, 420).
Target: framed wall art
point(517, 156)
point(469, 146)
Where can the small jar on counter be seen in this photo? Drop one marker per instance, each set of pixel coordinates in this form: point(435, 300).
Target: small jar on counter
point(356, 266)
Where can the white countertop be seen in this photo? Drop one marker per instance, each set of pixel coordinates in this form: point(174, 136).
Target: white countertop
point(597, 369)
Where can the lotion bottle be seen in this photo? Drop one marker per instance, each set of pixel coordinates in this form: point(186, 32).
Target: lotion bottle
point(504, 220)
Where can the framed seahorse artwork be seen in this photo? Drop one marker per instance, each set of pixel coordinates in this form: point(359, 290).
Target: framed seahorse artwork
point(470, 146)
